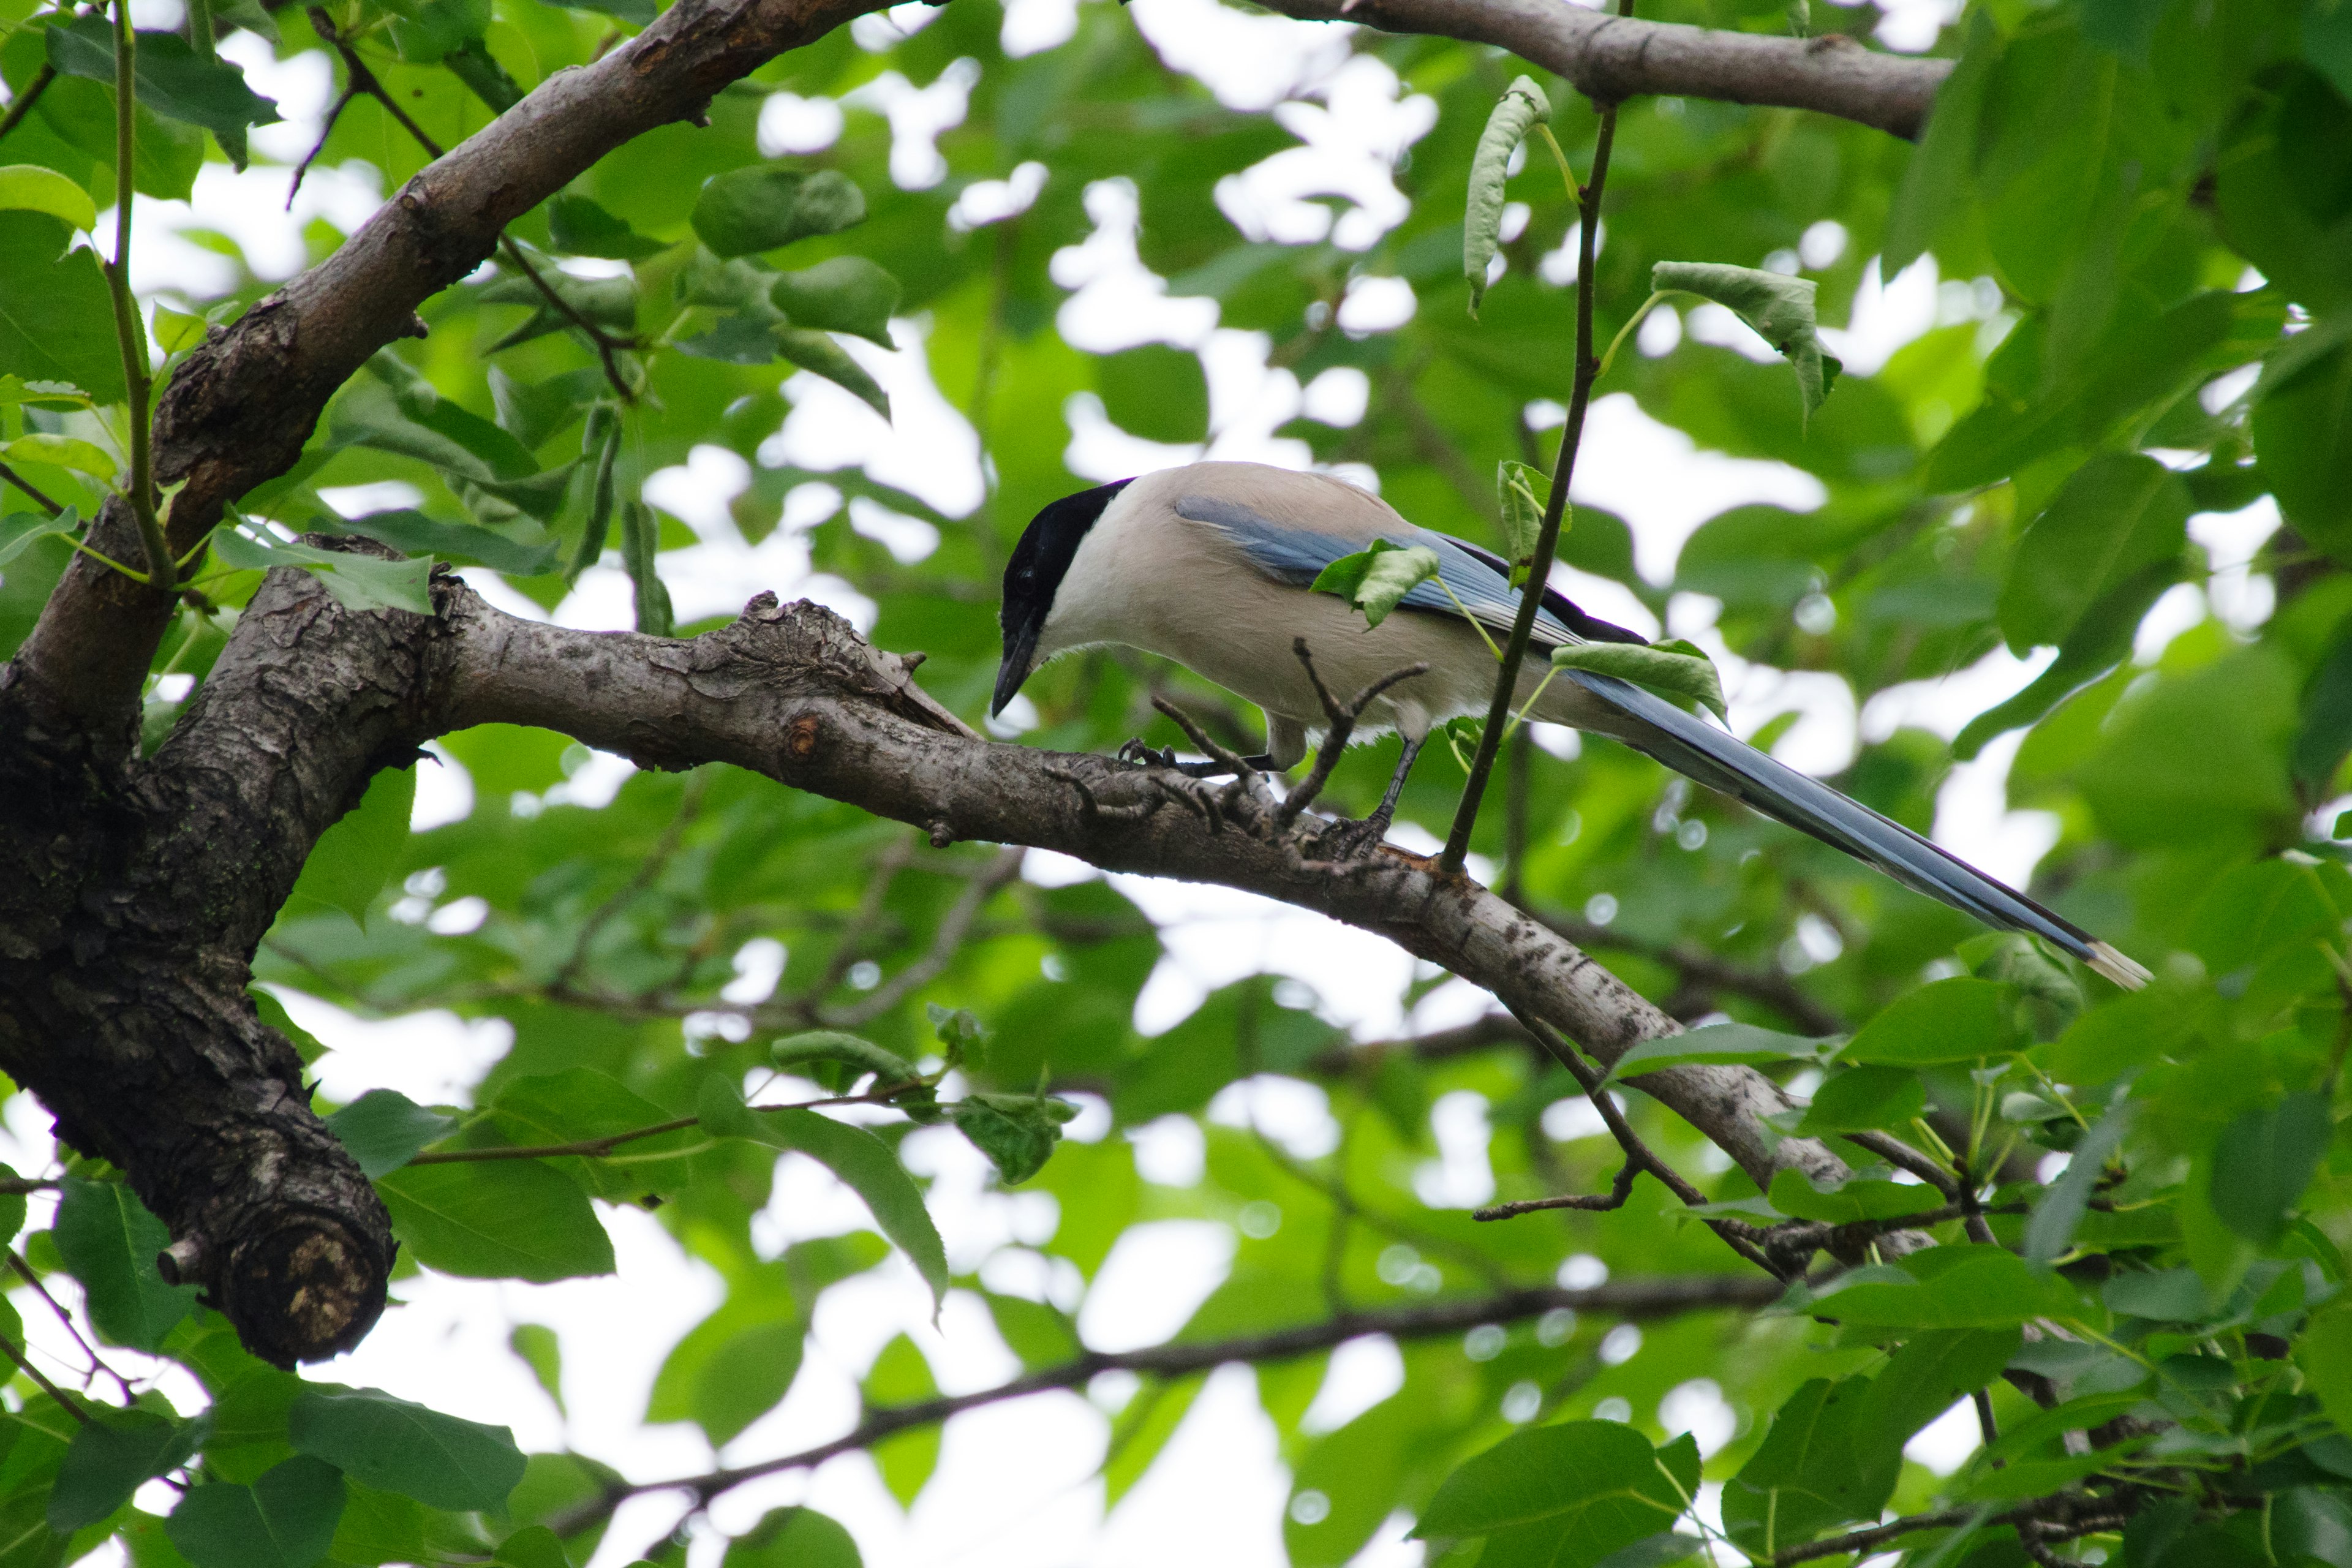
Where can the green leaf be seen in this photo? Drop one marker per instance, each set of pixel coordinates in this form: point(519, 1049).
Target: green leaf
point(793, 1538)
point(732, 1367)
point(56, 320)
point(640, 541)
point(1715, 1043)
point(1656, 1552)
point(108, 1242)
point(2099, 642)
point(1813, 1470)
point(415, 535)
point(19, 531)
point(764, 207)
point(1924, 1377)
point(357, 581)
point(578, 225)
point(172, 80)
point(1671, 670)
point(113, 1457)
point(636, 13)
point(536, 1547)
point(493, 1219)
point(29, 187)
point(833, 1046)
point(1778, 306)
point(1523, 104)
point(2301, 427)
point(1567, 1494)
point(2051, 1230)
point(2118, 515)
point(284, 1520)
point(818, 353)
point(1376, 580)
point(1958, 1020)
point(355, 858)
point(1016, 1131)
point(1937, 190)
point(2264, 1162)
point(1862, 1098)
point(864, 1162)
point(62, 452)
point(1966, 1286)
point(1156, 391)
point(1522, 490)
point(1858, 1198)
point(177, 330)
point(2325, 1355)
point(542, 1350)
point(382, 1128)
point(442, 1461)
point(847, 294)
point(12, 1207)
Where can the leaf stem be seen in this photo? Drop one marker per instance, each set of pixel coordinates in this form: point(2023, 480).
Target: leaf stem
point(128, 337)
point(1622, 332)
point(1465, 816)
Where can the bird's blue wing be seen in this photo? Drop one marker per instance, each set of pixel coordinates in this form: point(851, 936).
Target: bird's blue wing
point(1297, 556)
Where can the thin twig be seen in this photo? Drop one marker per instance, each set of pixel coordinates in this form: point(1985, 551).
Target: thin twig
point(946, 938)
point(326, 129)
point(1342, 721)
point(24, 102)
point(362, 79)
point(97, 1363)
point(689, 806)
point(51, 1389)
point(1632, 1299)
point(1198, 737)
point(1619, 1191)
point(1506, 683)
point(1637, 1152)
point(10, 476)
point(2030, 1516)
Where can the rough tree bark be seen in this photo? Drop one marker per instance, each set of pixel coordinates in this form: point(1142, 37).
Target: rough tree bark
point(133, 891)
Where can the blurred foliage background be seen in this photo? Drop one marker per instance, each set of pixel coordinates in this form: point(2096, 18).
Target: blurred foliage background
point(2126, 437)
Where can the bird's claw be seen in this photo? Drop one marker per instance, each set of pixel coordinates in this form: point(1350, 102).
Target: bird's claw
point(1347, 838)
point(1138, 754)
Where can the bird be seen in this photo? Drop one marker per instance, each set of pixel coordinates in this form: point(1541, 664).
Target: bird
point(1210, 564)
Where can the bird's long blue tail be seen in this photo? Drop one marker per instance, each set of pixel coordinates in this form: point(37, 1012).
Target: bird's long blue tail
point(1691, 746)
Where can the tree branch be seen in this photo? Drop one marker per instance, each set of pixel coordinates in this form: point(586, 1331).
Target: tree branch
point(1631, 1300)
point(1609, 60)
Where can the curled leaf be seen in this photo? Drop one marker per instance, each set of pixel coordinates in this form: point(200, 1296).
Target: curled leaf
point(833, 1046)
point(1016, 1131)
point(1375, 580)
point(1671, 668)
point(1523, 104)
point(1778, 306)
point(1523, 490)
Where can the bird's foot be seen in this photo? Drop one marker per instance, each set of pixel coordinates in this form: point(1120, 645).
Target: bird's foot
point(1135, 753)
point(1348, 839)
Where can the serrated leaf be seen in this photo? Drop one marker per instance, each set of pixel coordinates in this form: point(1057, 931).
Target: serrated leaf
point(847, 294)
point(1523, 104)
point(172, 80)
point(764, 207)
point(56, 320)
point(1780, 308)
point(1376, 581)
point(1676, 670)
point(1958, 1020)
point(442, 1461)
point(1017, 1132)
point(1584, 1488)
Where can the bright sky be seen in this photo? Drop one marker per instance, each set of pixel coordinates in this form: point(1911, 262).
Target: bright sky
point(1015, 1485)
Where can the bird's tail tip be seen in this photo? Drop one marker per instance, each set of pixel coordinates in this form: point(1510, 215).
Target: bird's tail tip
point(2127, 973)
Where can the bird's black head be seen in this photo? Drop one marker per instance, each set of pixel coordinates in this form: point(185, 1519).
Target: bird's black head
point(1035, 576)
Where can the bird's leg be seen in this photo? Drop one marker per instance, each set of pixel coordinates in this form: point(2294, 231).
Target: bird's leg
point(1345, 840)
point(1141, 755)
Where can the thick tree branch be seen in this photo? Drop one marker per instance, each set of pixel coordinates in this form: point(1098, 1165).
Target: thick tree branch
point(794, 692)
point(1633, 1300)
point(1611, 59)
point(239, 409)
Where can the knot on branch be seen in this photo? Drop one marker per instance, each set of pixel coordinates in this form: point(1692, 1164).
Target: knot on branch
point(791, 646)
point(299, 1285)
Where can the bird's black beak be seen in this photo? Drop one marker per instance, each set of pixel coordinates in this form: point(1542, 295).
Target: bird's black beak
point(1020, 653)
